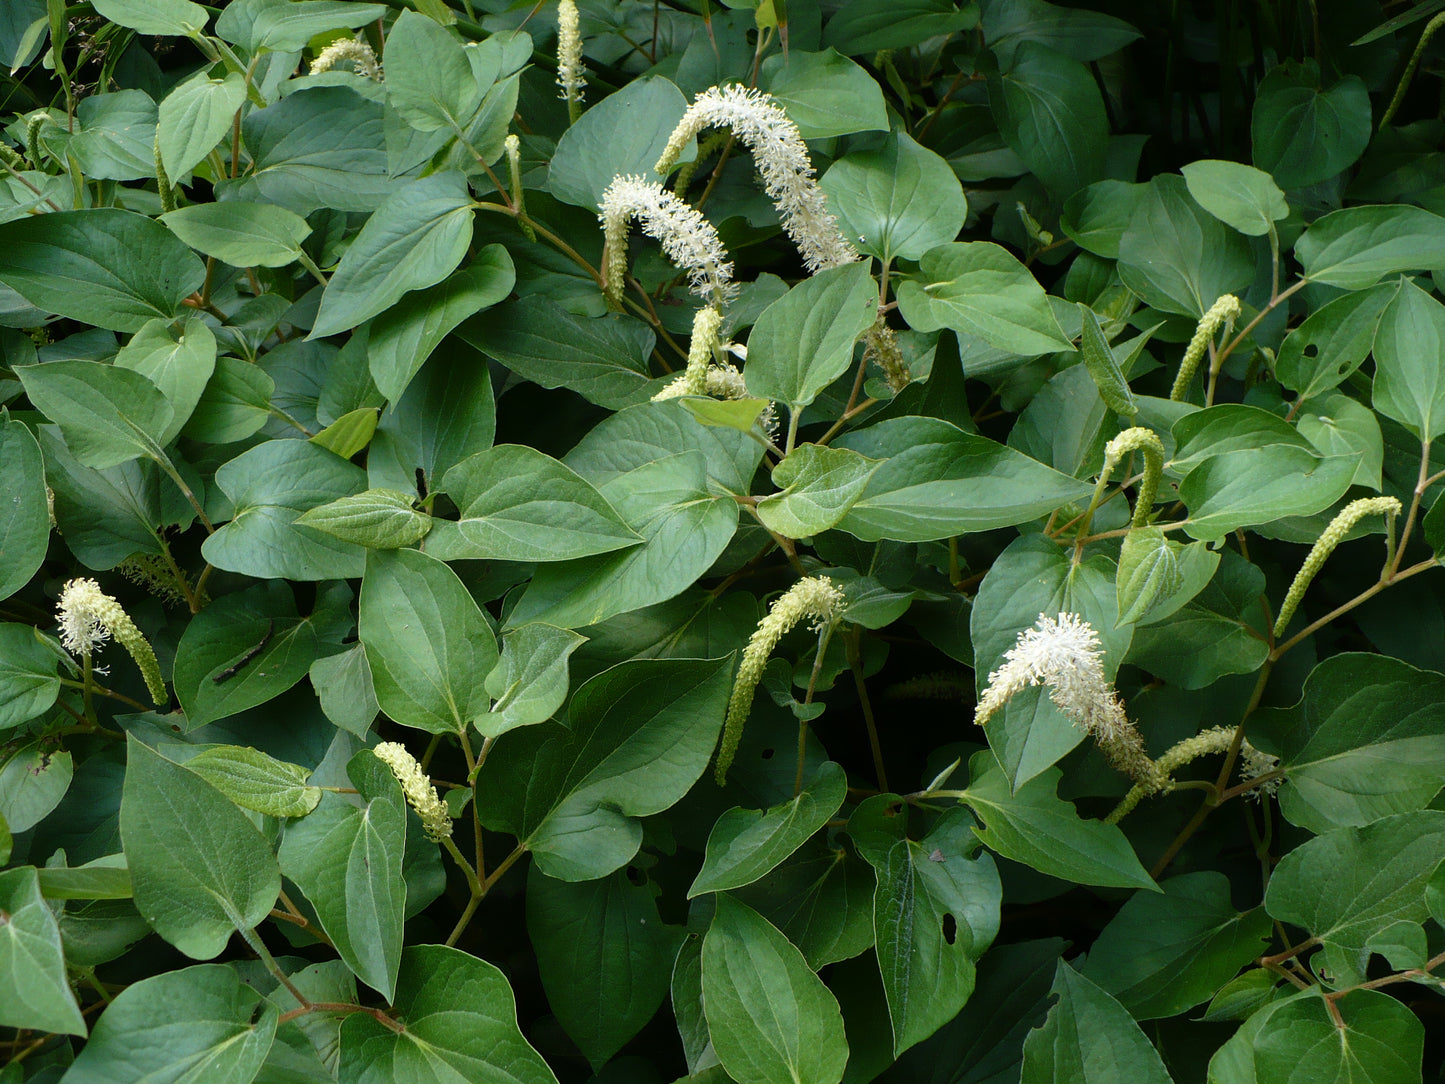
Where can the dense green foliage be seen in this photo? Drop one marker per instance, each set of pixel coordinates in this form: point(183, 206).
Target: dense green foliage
point(447, 637)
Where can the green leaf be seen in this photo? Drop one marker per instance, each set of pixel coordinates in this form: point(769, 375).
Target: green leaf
point(604, 956)
point(29, 683)
point(286, 26)
point(825, 94)
point(1033, 826)
point(935, 912)
point(429, 80)
point(938, 481)
point(1366, 740)
point(746, 844)
point(179, 364)
point(1347, 885)
point(1339, 425)
point(403, 337)
point(624, 133)
point(900, 201)
point(32, 960)
point(111, 268)
point(641, 435)
point(1333, 341)
point(234, 404)
point(1089, 1038)
point(518, 504)
point(270, 486)
point(1409, 383)
point(1097, 217)
point(1102, 367)
point(109, 414)
point(1304, 134)
point(817, 487)
point(24, 524)
point(572, 795)
point(460, 1024)
point(1252, 486)
point(344, 687)
point(1356, 247)
point(164, 18)
point(1148, 572)
point(429, 646)
point(346, 856)
point(239, 233)
point(199, 1022)
point(1084, 35)
point(379, 519)
point(1228, 427)
point(1176, 256)
point(98, 880)
point(33, 780)
point(803, 341)
point(772, 1020)
point(1049, 110)
point(193, 118)
point(821, 898)
point(199, 868)
point(866, 26)
point(980, 289)
point(256, 781)
point(1167, 952)
point(114, 138)
point(1238, 195)
point(529, 682)
point(415, 239)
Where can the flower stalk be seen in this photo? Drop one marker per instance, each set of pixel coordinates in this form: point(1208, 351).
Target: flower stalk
point(89, 617)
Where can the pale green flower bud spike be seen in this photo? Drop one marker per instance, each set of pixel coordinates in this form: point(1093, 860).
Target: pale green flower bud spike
point(513, 147)
point(89, 617)
point(1221, 314)
point(1334, 534)
point(163, 182)
point(417, 787)
point(1215, 740)
point(32, 139)
point(815, 597)
point(1137, 439)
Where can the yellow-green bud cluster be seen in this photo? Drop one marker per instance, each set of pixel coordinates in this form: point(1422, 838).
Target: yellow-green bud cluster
point(880, 346)
point(1334, 534)
point(89, 617)
point(417, 787)
point(1222, 313)
point(1137, 439)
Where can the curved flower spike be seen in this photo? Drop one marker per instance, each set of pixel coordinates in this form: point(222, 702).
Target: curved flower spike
point(1334, 534)
point(689, 239)
point(89, 617)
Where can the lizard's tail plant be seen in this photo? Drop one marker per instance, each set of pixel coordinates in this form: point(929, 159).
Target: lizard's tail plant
point(571, 76)
point(1137, 439)
point(700, 354)
point(1333, 535)
point(1222, 313)
point(817, 598)
point(89, 617)
point(782, 160)
point(880, 346)
point(348, 50)
point(689, 239)
point(417, 788)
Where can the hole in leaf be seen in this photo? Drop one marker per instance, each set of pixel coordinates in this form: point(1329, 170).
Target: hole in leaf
point(767, 754)
point(950, 928)
point(1311, 351)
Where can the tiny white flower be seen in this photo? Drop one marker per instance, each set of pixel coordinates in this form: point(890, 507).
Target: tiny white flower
point(417, 788)
point(689, 239)
point(358, 53)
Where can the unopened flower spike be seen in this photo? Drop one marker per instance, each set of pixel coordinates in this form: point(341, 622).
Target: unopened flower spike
point(782, 160)
point(880, 346)
point(513, 146)
point(816, 597)
point(89, 617)
point(1334, 534)
point(417, 788)
point(363, 61)
point(690, 240)
point(1222, 313)
point(1137, 439)
point(571, 76)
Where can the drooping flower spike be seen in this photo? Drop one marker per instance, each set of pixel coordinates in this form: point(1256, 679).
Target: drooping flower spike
point(89, 617)
point(690, 240)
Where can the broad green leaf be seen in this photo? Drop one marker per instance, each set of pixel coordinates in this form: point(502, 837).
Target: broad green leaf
point(1251, 486)
point(1346, 885)
point(1376, 1040)
point(429, 645)
point(429, 80)
point(104, 879)
point(109, 414)
point(199, 868)
point(866, 26)
point(1034, 826)
point(1304, 133)
point(687, 1007)
point(1082, 34)
point(1238, 195)
point(460, 1024)
point(529, 682)
point(33, 780)
point(980, 289)
point(1339, 425)
point(31, 959)
point(346, 857)
point(403, 337)
point(1409, 381)
point(803, 341)
point(287, 25)
point(164, 18)
point(111, 268)
point(739, 414)
point(746, 844)
point(1049, 110)
point(1333, 341)
point(935, 912)
point(604, 956)
point(772, 1020)
point(180, 364)
point(624, 133)
point(518, 504)
point(270, 486)
point(344, 687)
point(1089, 1038)
point(817, 486)
point(113, 138)
point(1176, 256)
point(23, 26)
point(938, 481)
point(239, 233)
point(1366, 740)
point(825, 94)
point(1102, 367)
point(640, 735)
point(193, 118)
point(256, 781)
point(1228, 427)
point(24, 524)
point(235, 403)
point(821, 898)
point(1097, 217)
point(380, 519)
point(349, 433)
point(446, 414)
point(29, 683)
point(1356, 247)
point(900, 201)
point(413, 240)
point(1165, 953)
point(195, 1023)
point(1148, 572)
